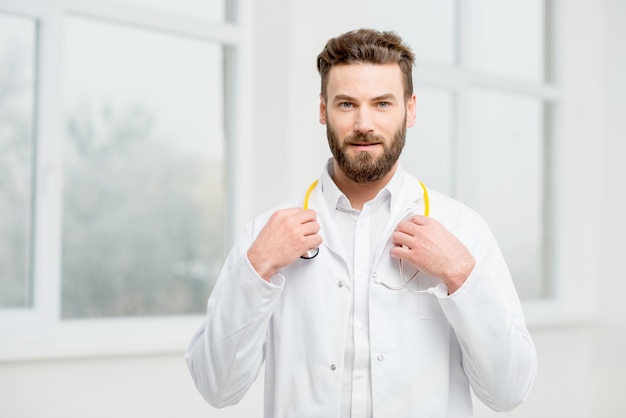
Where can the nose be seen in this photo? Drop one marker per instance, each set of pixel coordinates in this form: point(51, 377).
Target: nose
point(364, 122)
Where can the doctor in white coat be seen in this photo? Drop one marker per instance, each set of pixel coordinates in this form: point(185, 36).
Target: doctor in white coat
point(406, 305)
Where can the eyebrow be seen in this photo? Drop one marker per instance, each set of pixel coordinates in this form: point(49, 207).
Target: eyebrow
point(343, 98)
point(346, 98)
point(387, 97)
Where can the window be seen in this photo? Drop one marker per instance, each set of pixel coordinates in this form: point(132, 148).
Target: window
point(504, 158)
point(485, 99)
point(114, 162)
point(143, 195)
point(17, 90)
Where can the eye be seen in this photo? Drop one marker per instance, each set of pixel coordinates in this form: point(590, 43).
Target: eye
point(345, 105)
point(383, 105)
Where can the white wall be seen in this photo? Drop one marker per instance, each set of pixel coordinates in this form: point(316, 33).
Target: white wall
point(581, 363)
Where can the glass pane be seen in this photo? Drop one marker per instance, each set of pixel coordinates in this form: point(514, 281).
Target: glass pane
point(143, 230)
point(428, 26)
point(502, 178)
point(213, 10)
point(17, 86)
point(507, 38)
point(428, 150)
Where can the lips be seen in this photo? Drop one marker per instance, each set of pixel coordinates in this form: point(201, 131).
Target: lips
point(363, 144)
point(364, 139)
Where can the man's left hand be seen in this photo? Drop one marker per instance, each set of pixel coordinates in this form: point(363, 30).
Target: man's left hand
point(428, 246)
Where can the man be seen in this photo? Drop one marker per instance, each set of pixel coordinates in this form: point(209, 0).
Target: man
point(409, 302)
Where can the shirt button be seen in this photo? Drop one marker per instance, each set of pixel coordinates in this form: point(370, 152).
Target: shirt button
point(374, 275)
point(358, 376)
point(380, 357)
point(333, 367)
point(360, 325)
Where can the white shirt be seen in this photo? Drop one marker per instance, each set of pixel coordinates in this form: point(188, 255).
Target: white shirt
point(361, 232)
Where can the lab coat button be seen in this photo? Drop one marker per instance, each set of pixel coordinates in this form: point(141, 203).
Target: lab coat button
point(333, 367)
point(380, 357)
point(339, 283)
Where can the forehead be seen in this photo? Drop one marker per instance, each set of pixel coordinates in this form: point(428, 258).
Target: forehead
point(365, 80)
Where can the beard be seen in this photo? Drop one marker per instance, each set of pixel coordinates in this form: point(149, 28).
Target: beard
point(363, 167)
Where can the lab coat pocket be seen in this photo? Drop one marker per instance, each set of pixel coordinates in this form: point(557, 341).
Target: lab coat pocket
point(429, 307)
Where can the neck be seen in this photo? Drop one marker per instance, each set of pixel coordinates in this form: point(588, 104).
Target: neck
point(360, 193)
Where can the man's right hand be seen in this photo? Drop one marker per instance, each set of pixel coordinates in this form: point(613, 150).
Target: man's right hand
point(287, 235)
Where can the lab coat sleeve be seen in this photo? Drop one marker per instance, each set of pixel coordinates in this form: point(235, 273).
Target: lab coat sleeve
point(227, 352)
point(498, 353)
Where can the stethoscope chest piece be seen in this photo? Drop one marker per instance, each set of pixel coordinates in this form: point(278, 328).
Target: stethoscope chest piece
point(311, 253)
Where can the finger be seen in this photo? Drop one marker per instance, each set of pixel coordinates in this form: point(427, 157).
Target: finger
point(400, 252)
point(420, 220)
point(314, 241)
point(309, 215)
point(310, 228)
point(283, 216)
point(303, 216)
point(399, 238)
point(406, 227)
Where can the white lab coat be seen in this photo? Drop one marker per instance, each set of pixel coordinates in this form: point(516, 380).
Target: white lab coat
point(426, 349)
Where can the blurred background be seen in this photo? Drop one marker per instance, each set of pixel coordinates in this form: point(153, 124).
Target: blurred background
point(137, 137)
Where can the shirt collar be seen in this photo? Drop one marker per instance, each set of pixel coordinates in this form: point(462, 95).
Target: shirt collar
point(336, 199)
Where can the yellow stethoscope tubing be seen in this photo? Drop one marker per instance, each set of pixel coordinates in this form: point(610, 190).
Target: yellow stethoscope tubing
point(426, 199)
point(313, 252)
point(307, 196)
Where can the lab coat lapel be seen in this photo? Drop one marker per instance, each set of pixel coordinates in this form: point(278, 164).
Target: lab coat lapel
point(402, 208)
point(331, 240)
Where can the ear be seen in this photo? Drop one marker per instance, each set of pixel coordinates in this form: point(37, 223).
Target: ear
point(322, 110)
point(410, 111)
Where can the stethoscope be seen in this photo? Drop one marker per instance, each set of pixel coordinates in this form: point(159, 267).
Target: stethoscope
point(313, 252)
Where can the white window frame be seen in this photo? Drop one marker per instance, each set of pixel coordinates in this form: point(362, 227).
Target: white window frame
point(39, 331)
point(460, 80)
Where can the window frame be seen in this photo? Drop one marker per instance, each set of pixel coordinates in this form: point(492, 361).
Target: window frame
point(459, 80)
point(38, 331)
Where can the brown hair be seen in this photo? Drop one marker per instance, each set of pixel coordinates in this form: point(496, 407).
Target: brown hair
point(367, 46)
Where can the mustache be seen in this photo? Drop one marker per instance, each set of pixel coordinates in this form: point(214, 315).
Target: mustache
point(363, 138)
